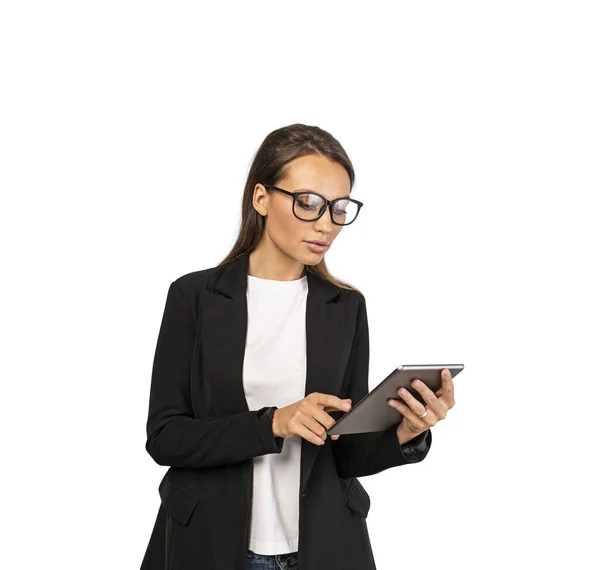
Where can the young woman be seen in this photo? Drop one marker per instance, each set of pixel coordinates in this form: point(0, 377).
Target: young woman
point(258, 356)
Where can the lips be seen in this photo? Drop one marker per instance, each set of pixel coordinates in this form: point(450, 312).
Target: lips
point(316, 248)
point(317, 242)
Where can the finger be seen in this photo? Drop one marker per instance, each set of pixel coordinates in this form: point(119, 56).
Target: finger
point(317, 421)
point(336, 407)
point(411, 401)
point(448, 387)
point(334, 437)
point(438, 405)
point(421, 424)
point(320, 416)
point(308, 434)
point(424, 390)
point(331, 401)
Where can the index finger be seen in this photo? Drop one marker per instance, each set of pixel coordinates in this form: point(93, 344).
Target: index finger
point(320, 415)
point(331, 401)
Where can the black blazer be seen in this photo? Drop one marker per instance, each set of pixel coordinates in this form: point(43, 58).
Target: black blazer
point(200, 426)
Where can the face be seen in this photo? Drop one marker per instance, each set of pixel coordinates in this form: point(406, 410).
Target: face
point(284, 230)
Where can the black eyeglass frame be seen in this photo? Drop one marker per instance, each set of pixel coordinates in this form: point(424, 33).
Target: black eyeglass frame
point(328, 203)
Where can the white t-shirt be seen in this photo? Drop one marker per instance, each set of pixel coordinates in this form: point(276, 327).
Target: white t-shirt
point(274, 374)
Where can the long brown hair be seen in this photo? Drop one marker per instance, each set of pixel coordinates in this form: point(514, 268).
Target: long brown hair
point(280, 147)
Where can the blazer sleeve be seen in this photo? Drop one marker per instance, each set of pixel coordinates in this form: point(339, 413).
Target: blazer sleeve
point(174, 436)
point(362, 454)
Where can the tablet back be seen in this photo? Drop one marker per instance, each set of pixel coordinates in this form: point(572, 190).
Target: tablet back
point(373, 413)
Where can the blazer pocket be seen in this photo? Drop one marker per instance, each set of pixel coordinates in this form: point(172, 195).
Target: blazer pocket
point(357, 498)
point(178, 502)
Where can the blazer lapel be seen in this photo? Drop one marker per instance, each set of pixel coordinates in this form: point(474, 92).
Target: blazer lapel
point(224, 321)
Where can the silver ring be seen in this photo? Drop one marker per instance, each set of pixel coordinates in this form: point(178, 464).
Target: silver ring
point(423, 414)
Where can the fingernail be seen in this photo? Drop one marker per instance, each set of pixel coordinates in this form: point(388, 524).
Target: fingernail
point(346, 407)
point(447, 373)
point(392, 403)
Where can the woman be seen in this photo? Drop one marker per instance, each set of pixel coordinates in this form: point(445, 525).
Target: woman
point(255, 359)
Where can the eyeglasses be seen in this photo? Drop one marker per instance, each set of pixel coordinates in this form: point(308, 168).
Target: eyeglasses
point(310, 206)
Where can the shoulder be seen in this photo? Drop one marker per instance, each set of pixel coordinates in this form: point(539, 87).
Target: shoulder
point(359, 297)
point(195, 281)
point(355, 302)
point(192, 281)
point(190, 285)
point(356, 298)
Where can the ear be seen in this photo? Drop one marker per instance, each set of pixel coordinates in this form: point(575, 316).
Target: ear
point(260, 199)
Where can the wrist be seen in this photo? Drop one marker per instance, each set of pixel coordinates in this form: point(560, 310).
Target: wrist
point(274, 423)
point(405, 435)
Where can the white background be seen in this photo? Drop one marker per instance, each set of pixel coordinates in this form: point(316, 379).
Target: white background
point(127, 129)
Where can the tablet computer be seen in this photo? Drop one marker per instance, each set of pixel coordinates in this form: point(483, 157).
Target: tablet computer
point(373, 413)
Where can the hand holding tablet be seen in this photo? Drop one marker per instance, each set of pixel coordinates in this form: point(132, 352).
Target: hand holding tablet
point(373, 413)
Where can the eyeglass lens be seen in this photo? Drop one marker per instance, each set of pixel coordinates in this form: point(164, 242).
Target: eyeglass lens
point(308, 207)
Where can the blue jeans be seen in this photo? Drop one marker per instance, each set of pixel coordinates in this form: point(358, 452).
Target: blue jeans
point(256, 561)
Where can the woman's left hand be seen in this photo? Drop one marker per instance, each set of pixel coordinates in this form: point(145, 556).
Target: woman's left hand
point(436, 409)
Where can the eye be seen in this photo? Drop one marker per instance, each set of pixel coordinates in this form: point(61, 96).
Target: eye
point(309, 202)
point(340, 207)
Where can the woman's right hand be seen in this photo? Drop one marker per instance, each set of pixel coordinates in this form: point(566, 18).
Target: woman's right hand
point(307, 417)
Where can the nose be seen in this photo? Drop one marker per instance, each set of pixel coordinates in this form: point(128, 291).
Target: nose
point(325, 223)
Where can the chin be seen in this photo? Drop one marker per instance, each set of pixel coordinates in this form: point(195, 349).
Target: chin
point(314, 258)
